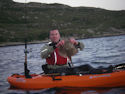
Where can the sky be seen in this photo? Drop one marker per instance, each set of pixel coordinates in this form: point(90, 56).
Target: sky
point(105, 4)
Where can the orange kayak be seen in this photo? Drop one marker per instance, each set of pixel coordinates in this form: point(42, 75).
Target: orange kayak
point(114, 79)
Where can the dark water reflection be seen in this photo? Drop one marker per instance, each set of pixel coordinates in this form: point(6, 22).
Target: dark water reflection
point(71, 91)
point(98, 52)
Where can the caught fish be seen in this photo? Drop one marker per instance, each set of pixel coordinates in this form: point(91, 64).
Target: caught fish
point(68, 49)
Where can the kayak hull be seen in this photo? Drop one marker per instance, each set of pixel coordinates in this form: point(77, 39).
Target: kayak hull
point(115, 79)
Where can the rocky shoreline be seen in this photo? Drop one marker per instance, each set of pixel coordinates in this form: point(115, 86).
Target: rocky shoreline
point(21, 43)
point(44, 41)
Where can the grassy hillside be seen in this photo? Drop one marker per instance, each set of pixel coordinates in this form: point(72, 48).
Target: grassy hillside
point(34, 21)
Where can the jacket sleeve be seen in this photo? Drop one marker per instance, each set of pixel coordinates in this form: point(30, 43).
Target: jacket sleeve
point(46, 50)
point(80, 46)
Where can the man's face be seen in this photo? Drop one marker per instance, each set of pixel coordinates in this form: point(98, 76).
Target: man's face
point(54, 36)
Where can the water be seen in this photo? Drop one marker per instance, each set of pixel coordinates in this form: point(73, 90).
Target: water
point(97, 52)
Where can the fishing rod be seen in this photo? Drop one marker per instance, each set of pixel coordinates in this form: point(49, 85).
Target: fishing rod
point(26, 70)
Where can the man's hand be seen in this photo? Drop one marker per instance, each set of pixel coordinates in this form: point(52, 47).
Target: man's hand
point(73, 41)
point(61, 43)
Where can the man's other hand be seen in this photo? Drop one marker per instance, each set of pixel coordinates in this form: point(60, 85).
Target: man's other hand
point(73, 41)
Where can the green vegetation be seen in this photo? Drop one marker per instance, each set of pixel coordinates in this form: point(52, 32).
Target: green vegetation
point(35, 21)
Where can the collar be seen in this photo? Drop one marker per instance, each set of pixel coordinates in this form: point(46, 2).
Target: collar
point(54, 43)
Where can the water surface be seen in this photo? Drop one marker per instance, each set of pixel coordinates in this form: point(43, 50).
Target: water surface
point(97, 52)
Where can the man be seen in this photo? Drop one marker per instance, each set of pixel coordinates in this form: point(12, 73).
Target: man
point(50, 52)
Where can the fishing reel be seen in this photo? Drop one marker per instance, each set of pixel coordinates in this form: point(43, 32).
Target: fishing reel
point(27, 50)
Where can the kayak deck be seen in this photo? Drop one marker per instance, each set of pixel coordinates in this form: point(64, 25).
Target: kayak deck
point(114, 79)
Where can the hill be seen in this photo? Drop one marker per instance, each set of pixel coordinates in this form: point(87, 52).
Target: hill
point(34, 20)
